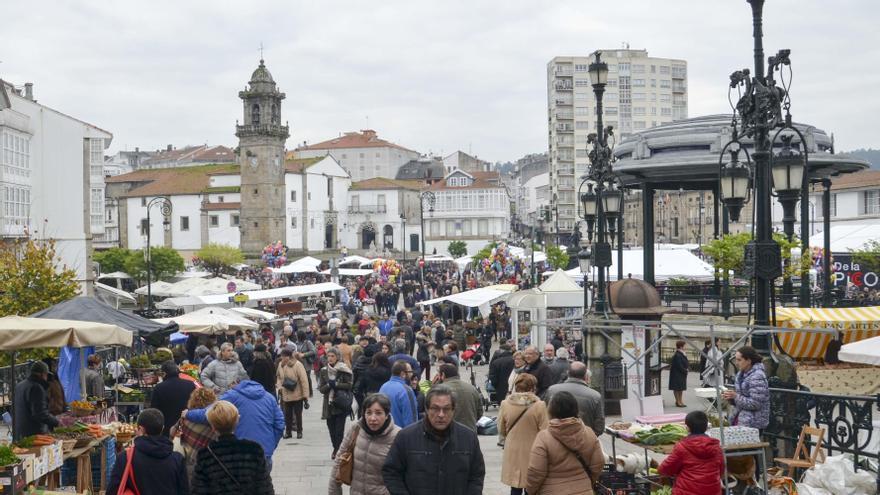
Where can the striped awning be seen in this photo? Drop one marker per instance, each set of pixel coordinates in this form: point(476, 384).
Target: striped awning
point(853, 325)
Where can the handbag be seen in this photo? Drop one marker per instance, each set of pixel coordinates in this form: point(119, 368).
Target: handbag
point(289, 384)
point(515, 421)
point(342, 400)
point(345, 470)
point(128, 475)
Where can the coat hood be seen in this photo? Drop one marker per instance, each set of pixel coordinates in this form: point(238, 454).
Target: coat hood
point(341, 367)
point(157, 447)
point(569, 432)
point(522, 398)
point(701, 446)
point(250, 389)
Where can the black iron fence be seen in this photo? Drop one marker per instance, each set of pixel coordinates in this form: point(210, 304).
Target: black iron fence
point(848, 422)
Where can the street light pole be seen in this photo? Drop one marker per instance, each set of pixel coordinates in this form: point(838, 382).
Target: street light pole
point(429, 198)
point(164, 204)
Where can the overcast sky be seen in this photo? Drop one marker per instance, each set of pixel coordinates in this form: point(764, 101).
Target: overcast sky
point(434, 76)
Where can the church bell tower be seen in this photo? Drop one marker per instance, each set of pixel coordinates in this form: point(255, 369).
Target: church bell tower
point(261, 141)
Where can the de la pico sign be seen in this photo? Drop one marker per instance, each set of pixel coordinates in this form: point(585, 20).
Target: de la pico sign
point(846, 271)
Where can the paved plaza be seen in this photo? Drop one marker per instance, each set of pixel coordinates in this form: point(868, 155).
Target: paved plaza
point(303, 466)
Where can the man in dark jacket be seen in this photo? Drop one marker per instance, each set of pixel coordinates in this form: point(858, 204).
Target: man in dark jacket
point(157, 469)
point(245, 355)
point(468, 399)
point(559, 366)
point(170, 396)
point(536, 367)
point(436, 456)
point(31, 407)
point(591, 406)
point(500, 369)
point(263, 369)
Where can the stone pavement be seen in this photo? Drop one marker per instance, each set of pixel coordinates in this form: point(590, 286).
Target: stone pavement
point(303, 466)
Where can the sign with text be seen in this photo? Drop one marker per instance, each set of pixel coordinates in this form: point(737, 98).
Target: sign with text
point(848, 272)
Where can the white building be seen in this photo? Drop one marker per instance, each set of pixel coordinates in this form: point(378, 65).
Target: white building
point(469, 206)
point(51, 178)
point(187, 156)
point(532, 195)
point(362, 154)
point(384, 213)
point(463, 161)
point(642, 92)
point(206, 204)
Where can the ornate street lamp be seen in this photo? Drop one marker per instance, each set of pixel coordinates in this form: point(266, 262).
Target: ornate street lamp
point(757, 112)
point(789, 180)
point(426, 199)
point(164, 204)
point(736, 181)
point(589, 203)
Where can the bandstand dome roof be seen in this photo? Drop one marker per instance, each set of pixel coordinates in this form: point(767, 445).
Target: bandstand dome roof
point(684, 154)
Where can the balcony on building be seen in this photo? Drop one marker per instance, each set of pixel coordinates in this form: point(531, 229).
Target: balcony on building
point(366, 209)
point(262, 130)
point(564, 101)
point(564, 86)
point(566, 128)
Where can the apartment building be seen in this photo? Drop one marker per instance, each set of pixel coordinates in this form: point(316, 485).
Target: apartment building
point(642, 92)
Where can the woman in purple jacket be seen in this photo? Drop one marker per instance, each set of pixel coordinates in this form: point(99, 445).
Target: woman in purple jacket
point(751, 400)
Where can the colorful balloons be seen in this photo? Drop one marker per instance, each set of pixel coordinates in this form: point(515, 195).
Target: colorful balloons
point(274, 255)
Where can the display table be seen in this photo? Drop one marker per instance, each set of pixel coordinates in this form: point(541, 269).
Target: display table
point(83, 467)
point(742, 450)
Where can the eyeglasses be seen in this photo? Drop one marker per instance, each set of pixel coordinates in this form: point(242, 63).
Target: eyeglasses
point(438, 410)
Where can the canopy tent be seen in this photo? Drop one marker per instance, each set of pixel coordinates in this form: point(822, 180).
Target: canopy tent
point(481, 298)
point(198, 287)
point(438, 258)
point(306, 264)
point(355, 260)
point(210, 321)
point(114, 275)
point(254, 314)
point(864, 351)
point(852, 325)
point(240, 266)
point(113, 294)
point(19, 332)
point(157, 288)
point(845, 238)
point(351, 272)
point(520, 253)
point(192, 274)
point(669, 263)
point(88, 309)
point(254, 295)
point(558, 291)
point(463, 262)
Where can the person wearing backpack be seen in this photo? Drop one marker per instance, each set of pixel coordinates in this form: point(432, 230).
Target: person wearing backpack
point(150, 466)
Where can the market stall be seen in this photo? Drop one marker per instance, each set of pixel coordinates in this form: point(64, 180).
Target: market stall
point(669, 263)
point(210, 321)
point(851, 325)
point(249, 298)
point(558, 297)
point(482, 298)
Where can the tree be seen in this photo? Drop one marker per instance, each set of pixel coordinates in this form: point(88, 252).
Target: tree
point(457, 249)
point(112, 260)
point(32, 278)
point(164, 263)
point(727, 253)
point(557, 257)
point(484, 253)
point(868, 256)
point(218, 258)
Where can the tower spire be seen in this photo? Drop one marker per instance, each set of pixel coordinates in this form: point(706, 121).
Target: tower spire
point(261, 53)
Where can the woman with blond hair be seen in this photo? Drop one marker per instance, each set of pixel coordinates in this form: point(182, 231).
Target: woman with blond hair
point(194, 436)
point(521, 416)
point(519, 364)
point(229, 465)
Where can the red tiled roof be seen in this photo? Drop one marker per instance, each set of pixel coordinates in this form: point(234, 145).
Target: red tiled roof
point(171, 181)
point(367, 138)
point(221, 206)
point(297, 165)
point(858, 180)
point(194, 154)
point(482, 180)
point(378, 183)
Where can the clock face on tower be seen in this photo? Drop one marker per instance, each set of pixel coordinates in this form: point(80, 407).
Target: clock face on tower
point(253, 162)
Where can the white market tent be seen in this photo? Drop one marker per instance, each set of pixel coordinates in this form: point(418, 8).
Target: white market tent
point(210, 321)
point(254, 295)
point(192, 274)
point(354, 259)
point(351, 272)
point(558, 291)
point(158, 288)
point(863, 351)
point(114, 294)
point(118, 275)
point(520, 253)
point(845, 238)
point(668, 263)
point(18, 332)
point(306, 264)
point(482, 298)
point(438, 258)
point(197, 287)
point(254, 314)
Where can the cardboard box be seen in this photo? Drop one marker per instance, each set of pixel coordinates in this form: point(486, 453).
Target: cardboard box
point(54, 455)
point(12, 480)
point(41, 467)
point(27, 463)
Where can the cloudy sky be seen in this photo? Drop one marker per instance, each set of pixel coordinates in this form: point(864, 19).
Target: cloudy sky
point(434, 76)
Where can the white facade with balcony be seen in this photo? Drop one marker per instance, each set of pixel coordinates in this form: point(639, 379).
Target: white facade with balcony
point(317, 206)
point(384, 217)
point(50, 181)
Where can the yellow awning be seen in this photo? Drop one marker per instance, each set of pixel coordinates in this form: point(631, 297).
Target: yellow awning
point(854, 324)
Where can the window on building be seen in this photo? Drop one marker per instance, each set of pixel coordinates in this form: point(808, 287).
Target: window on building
point(653, 83)
point(144, 226)
point(638, 83)
point(214, 221)
point(581, 111)
point(184, 224)
point(581, 83)
point(435, 228)
point(293, 222)
point(311, 223)
point(665, 98)
point(483, 227)
point(581, 124)
point(871, 202)
point(638, 96)
point(612, 83)
point(143, 201)
point(255, 114)
point(220, 199)
point(450, 228)
point(293, 196)
point(330, 187)
point(638, 125)
point(380, 203)
point(623, 67)
point(638, 68)
point(234, 219)
point(361, 155)
point(653, 69)
point(611, 111)
point(664, 69)
point(665, 112)
point(309, 196)
point(639, 111)
point(833, 205)
point(665, 83)
point(581, 67)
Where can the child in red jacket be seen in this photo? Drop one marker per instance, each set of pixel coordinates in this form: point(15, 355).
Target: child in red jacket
point(696, 461)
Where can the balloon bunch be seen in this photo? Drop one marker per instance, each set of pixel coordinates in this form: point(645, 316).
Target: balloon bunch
point(274, 255)
point(500, 261)
point(387, 270)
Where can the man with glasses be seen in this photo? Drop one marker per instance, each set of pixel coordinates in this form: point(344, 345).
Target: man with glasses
point(437, 455)
point(404, 409)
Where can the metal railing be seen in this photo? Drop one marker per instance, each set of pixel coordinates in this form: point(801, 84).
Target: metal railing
point(367, 209)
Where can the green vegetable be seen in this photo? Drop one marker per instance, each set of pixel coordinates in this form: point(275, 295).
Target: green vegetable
point(7, 457)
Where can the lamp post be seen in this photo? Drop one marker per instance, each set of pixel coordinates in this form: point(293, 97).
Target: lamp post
point(425, 198)
point(403, 235)
point(757, 113)
point(788, 180)
point(164, 204)
point(602, 201)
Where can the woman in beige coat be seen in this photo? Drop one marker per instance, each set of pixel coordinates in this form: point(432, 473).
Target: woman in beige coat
point(373, 436)
point(566, 458)
point(292, 396)
point(521, 416)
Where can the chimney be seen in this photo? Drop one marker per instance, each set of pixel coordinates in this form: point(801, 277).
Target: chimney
point(29, 91)
point(137, 149)
point(168, 148)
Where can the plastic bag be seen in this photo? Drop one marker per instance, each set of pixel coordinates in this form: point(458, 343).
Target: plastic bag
point(836, 477)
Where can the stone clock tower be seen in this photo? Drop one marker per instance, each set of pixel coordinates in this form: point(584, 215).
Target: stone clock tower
point(261, 140)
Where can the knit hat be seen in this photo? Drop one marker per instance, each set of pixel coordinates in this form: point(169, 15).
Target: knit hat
point(38, 368)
